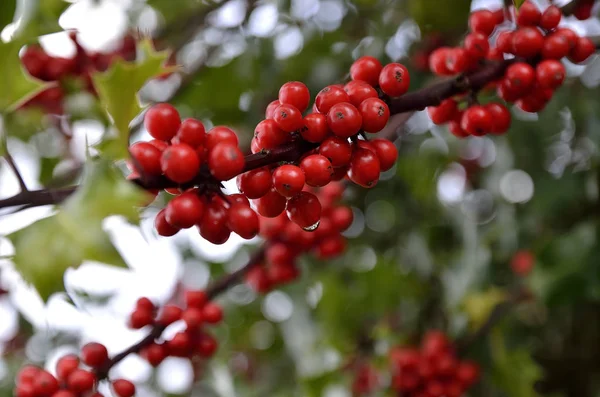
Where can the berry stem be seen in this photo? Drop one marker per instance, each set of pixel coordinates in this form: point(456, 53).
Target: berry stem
point(11, 163)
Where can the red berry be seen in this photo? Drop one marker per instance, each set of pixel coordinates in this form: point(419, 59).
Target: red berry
point(271, 204)
point(225, 161)
point(154, 354)
point(500, 117)
point(330, 96)
point(304, 209)
point(185, 210)
point(296, 94)
point(25, 390)
point(394, 79)
point(386, 152)
point(467, 373)
point(482, 21)
point(147, 157)
point(268, 135)
point(255, 183)
point(444, 112)
point(169, 314)
point(81, 381)
point(366, 69)
point(280, 254)
point(498, 16)
point(192, 132)
point(341, 218)
point(550, 18)
point(344, 119)
point(315, 128)
point(364, 168)
point(162, 121)
point(242, 219)
point(583, 49)
point(550, 73)
point(144, 303)
point(192, 317)
point(163, 227)
point(476, 45)
point(556, 46)
point(270, 111)
point(207, 345)
point(455, 128)
point(140, 318)
point(180, 163)
point(288, 180)
point(504, 41)
point(213, 226)
point(519, 77)
point(28, 374)
point(359, 90)
point(527, 42)
point(317, 170)
point(375, 114)
point(66, 365)
point(528, 14)
point(337, 150)
point(45, 384)
point(522, 262)
point(437, 61)
point(64, 393)
point(330, 247)
point(476, 120)
point(258, 279)
point(288, 118)
point(457, 60)
point(179, 345)
point(195, 298)
point(569, 34)
point(212, 313)
point(94, 354)
point(123, 388)
point(220, 134)
point(583, 10)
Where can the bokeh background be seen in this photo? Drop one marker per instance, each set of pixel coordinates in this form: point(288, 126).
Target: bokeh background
point(430, 246)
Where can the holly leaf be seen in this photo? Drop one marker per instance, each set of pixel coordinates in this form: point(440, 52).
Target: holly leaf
point(41, 18)
point(479, 306)
point(47, 248)
point(7, 11)
point(518, 3)
point(17, 85)
point(118, 91)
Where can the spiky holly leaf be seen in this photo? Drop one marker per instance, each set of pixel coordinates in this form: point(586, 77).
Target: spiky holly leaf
point(479, 306)
point(518, 3)
point(118, 91)
point(47, 248)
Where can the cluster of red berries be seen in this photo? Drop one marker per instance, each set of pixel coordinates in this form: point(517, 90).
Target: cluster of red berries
point(48, 68)
point(286, 241)
point(433, 370)
point(365, 380)
point(71, 380)
point(583, 9)
point(537, 44)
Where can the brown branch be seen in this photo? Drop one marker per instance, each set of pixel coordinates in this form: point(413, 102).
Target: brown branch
point(13, 165)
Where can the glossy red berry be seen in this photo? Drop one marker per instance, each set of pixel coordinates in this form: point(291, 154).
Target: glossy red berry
point(94, 354)
point(288, 180)
point(140, 318)
point(501, 118)
point(476, 45)
point(144, 303)
point(344, 120)
point(220, 134)
point(212, 313)
point(341, 218)
point(169, 314)
point(81, 381)
point(317, 170)
point(583, 49)
point(242, 219)
point(213, 226)
point(271, 204)
point(444, 112)
point(268, 135)
point(330, 96)
point(504, 41)
point(164, 228)
point(457, 60)
point(154, 354)
point(315, 128)
point(522, 262)
point(528, 14)
point(556, 46)
point(364, 168)
point(195, 298)
point(437, 61)
point(359, 90)
point(288, 118)
point(225, 161)
point(551, 18)
point(162, 121)
point(25, 390)
point(255, 183)
point(147, 157)
point(296, 94)
point(482, 21)
point(270, 111)
point(527, 42)
point(550, 73)
point(366, 69)
point(454, 126)
point(66, 365)
point(337, 150)
point(375, 114)
point(569, 34)
point(330, 247)
point(65, 393)
point(583, 10)
point(123, 388)
point(386, 152)
point(519, 77)
point(185, 210)
point(394, 79)
point(192, 132)
point(467, 373)
point(207, 345)
point(304, 210)
point(180, 163)
point(476, 120)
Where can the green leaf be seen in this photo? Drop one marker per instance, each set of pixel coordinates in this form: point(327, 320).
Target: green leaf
point(118, 91)
point(7, 12)
point(479, 305)
point(17, 85)
point(518, 3)
point(45, 249)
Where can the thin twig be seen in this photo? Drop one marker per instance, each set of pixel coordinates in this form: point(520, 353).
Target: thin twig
point(11, 163)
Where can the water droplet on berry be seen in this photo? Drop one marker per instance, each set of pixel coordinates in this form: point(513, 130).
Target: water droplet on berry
point(312, 228)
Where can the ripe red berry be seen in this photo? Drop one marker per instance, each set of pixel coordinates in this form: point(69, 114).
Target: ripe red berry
point(144, 303)
point(140, 318)
point(476, 120)
point(220, 134)
point(394, 79)
point(317, 170)
point(212, 313)
point(337, 150)
point(375, 114)
point(583, 10)
point(271, 204)
point(386, 152)
point(556, 46)
point(315, 128)
point(154, 354)
point(341, 218)
point(330, 96)
point(457, 60)
point(162, 121)
point(501, 118)
point(482, 21)
point(225, 161)
point(364, 168)
point(288, 180)
point(569, 34)
point(344, 119)
point(163, 228)
point(27, 374)
point(583, 49)
point(242, 219)
point(185, 210)
point(288, 118)
point(296, 94)
point(255, 183)
point(66, 365)
point(280, 254)
point(169, 314)
point(123, 388)
point(444, 112)
point(192, 132)
point(304, 210)
point(268, 134)
point(476, 45)
point(359, 90)
point(550, 73)
point(330, 247)
point(180, 163)
point(192, 317)
point(550, 18)
point(94, 354)
point(65, 393)
point(147, 157)
point(519, 77)
point(213, 226)
point(195, 298)
point(467, 373)
point(81, 381)
point(366, 69)
point(437, 61)
point(207, 345)
point(25, 390)
point(522, 262)
point(504, 41)
point(527, 42)
point(528, 14)
point(270, 111)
